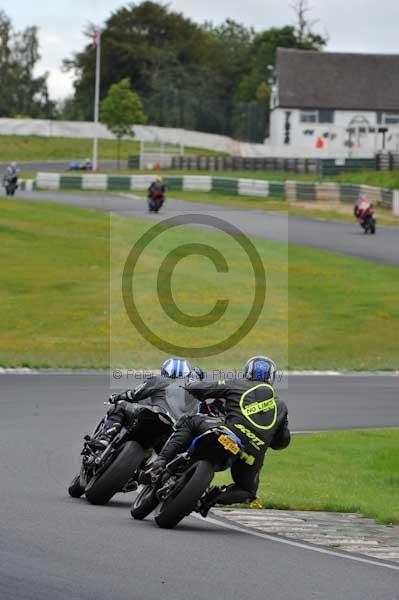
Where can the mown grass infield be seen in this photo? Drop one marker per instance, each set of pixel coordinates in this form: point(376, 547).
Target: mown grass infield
point(61, 306)
point(323, 311)
point(344, 471)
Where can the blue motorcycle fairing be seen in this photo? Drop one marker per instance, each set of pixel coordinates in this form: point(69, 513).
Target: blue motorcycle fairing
point(222, 430)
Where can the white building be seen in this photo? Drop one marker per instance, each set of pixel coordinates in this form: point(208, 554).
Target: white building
point(334, 104)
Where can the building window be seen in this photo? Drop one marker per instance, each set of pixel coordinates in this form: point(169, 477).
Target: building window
point(326, 116)
point(391, 119)
point(308, 116)
point(317, 116)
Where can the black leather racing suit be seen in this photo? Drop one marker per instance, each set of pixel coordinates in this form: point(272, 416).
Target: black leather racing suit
point(253, 413)
point(160, 394)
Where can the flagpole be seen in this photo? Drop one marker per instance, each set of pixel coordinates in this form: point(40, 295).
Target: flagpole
point(97, 38)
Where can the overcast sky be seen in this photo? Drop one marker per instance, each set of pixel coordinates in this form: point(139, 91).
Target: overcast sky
point(352, 26)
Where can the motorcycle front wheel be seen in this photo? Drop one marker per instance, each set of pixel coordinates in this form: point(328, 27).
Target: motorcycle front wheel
point(144, 503)
point(101, 488)
point(194, 483)
point(75, 489)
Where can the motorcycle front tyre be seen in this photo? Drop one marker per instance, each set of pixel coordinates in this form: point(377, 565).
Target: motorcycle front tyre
point(145, 502)
point(75, 489)
point(112, 480)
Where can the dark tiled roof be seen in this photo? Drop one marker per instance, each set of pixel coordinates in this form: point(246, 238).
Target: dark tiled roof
point(309, 79)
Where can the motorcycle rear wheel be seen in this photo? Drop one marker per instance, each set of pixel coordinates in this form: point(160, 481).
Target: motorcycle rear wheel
point(196, 481)
point(100, 490)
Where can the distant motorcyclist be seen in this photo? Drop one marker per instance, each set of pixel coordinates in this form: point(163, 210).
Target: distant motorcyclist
point(364, 212)
point(156, 194)
point(363, 207)
point(10, 179)
point(12, 170)
point(164, 394)
point(252, 412)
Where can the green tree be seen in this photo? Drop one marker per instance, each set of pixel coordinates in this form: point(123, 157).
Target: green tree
point(21, 92)
point(171, 61)
point(121, 110)
point(194, 76)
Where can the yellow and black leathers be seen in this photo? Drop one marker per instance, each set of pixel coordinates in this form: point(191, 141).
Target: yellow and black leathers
point(254, 414)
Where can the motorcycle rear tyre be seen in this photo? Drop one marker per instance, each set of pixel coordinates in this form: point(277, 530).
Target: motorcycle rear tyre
point(173, 510)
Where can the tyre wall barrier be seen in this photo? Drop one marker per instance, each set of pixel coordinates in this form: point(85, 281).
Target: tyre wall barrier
point(289, 190)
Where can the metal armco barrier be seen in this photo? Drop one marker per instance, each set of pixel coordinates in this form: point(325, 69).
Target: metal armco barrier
point(289, 190)
point(239, 163)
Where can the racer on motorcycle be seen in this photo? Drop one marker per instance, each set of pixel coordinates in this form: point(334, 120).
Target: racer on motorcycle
point(156, 194)
point(165, 394)
point(11, 176)
point(364, 212)
point(252, 412)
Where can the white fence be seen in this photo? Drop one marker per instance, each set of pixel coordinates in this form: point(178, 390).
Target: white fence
point(145, 133)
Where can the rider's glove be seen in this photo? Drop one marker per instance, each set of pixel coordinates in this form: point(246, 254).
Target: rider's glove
point(127, 396)
point(158, 468)
point(199, 372)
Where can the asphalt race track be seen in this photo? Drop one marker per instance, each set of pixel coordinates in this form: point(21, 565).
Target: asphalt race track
point(55, 548)
point(345, 238)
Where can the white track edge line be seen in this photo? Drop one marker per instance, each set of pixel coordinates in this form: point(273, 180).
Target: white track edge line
point(287, 542)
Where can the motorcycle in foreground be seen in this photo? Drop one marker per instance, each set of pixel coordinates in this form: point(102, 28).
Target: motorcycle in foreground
point(10, 183)
point(156, 199)
point(186, 478)
point(108, 470)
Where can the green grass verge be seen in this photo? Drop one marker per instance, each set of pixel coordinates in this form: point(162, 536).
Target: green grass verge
point(384, 179)
point(327, 311)
point(344, 471)
point(34, 147)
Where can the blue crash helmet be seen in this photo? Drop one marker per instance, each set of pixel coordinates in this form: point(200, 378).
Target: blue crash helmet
point(175, 367)
point(260, 368)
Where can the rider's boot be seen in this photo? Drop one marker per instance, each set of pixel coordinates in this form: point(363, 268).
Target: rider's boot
point(209, 499)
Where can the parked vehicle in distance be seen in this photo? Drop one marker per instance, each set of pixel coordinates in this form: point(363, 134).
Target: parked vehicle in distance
point(87, 165)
